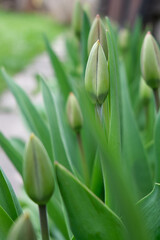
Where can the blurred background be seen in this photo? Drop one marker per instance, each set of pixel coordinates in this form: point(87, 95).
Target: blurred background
point(22, 49)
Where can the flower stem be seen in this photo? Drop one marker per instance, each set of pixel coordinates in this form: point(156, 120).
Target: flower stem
point(83, 159)
point(43, 222)
point(156, 97)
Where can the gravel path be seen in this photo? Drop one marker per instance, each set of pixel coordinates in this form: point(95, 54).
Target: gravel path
point(10, 121)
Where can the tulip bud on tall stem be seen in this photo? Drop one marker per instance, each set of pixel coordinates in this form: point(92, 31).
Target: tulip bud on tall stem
point(75, 120)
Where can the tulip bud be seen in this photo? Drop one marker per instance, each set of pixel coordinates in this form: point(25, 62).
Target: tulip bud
point(74, 113)
point(38, 172)
point(98, 32)
point(123, 39)
point(145, 92)
point(150, 61)
point(96, 75)
point(77, 18)
point(22, 229)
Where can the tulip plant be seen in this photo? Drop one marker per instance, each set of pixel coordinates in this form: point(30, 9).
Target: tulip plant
point(91, 167)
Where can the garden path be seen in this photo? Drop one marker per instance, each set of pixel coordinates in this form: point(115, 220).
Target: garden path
point(11, 123)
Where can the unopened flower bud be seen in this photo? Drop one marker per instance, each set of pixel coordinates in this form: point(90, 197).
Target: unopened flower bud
point(150, 61)
point(77, 18)
point(145, 92)
point(22, 229)
point(38, 172)
point(123, 39)
point(74, 113)
point(96, 75)
point(98, 32)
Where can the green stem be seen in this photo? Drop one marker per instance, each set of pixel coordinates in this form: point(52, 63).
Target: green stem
point(156, 97)
point(44, 222)
point(83, 159)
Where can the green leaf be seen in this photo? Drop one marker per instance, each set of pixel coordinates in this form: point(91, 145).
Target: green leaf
point(150, 207)
point(120, 188)
point(62, 78)
point(57, 145)
point(89, 218)
point(8, 200)
point(14, 155)
point(134, 154)
point(5, 224)
point(157, 147)
point(30, 113)
point(84, 40)
point(114, 137)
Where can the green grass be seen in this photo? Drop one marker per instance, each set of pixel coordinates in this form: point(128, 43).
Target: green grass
point(21, 38)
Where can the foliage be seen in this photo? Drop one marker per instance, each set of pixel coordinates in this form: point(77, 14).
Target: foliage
point(119, 144)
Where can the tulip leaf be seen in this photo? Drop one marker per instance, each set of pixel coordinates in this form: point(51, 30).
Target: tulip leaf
point(8, 200)
point(62, 78)
point(150, 207)
point(5, 224)
point(14, 155)
point(157, 147)
point(30, 113)
point(89, 218)
point(84, 40)
point(57, 144)
point(135, 161)
point(114, 137)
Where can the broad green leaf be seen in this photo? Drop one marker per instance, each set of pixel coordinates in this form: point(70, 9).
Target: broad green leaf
point(14, 155)
point(150, 207)
point(134, 155)
point(121, 191)
point(30, 113)
point(55, 212)
point(157, 147)
point(5, 224)
point(89, 218)
point(62, 78)
point(84, 40)
point(114, 137)
point(8, 199)
point(57, 145)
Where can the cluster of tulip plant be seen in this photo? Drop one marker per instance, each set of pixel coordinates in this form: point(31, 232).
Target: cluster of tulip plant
point(92, 162)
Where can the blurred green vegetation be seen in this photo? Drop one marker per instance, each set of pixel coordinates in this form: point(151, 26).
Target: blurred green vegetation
point(21, 38)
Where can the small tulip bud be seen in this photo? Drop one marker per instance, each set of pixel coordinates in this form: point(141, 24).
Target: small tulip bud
point(96, 75)
point(22, 229)
point(77, 18)
point(38, 172)
point(145, 92)
point(123, 39)
point(98, 32)
point(150, 61)
point(74, 113)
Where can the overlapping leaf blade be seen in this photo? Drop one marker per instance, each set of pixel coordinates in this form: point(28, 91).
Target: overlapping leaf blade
point(5, 224)
point(15, 157)
point(30, 113)
point(8, 200)
point(90, 219)
point(150, 208)
point(135, 161)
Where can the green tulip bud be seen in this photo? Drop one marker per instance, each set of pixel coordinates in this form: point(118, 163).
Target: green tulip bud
point(74, 113)
point(38, 172)
point(98, 32)
point(97, 75)
point(123, 39)
point(22, 229)
point(77, 18)
point(150, 61)
point(145, 92)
